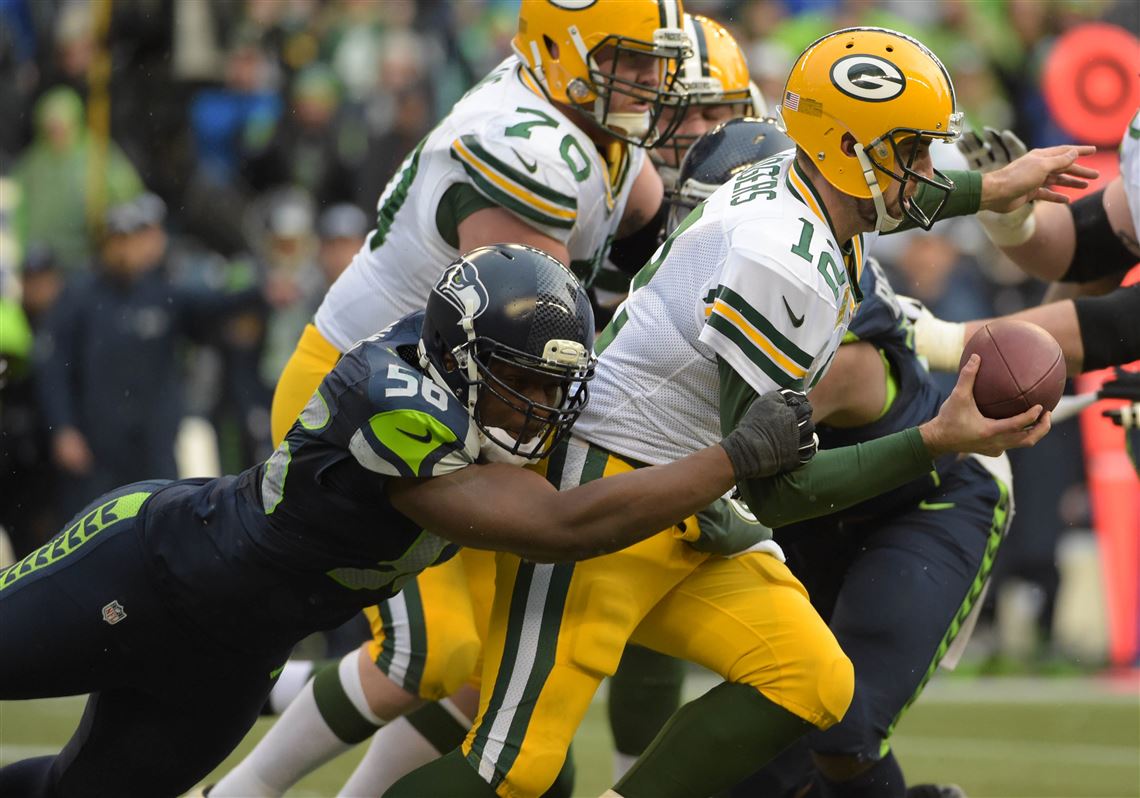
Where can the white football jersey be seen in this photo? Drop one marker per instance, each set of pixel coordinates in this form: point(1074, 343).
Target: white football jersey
point(520, 152)
point(755, 276)
point(1130, 168)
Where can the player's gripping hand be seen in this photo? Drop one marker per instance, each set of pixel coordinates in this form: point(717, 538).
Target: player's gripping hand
point(960, 426)
point(775, 434)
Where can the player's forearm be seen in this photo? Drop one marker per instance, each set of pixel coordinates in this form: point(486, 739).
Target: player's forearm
point(964, 200)
point(1048, 253)
point(609, 514)
point(838, 478)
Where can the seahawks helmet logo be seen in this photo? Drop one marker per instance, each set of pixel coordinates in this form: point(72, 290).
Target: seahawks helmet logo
point(461, 287)
point(868, 77)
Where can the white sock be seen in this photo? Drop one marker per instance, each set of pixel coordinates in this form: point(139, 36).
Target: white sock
point(293, 677)
point(622, 764)
point(298, 743)
point(396, 750)
point(349, 671)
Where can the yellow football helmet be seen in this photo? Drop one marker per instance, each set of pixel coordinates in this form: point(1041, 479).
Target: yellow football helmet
point(882, 87)
point(560, 40)
point(716, 74)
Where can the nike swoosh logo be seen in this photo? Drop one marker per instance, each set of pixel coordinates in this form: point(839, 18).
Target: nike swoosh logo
point(797, 321)
point(425, 438)
point(531, 167)
point(925, 505)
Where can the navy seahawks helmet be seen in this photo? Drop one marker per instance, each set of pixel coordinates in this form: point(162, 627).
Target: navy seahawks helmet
point(513, 304)
point(718, 155)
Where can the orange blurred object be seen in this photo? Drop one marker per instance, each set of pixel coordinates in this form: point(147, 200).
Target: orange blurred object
point(1091, 82)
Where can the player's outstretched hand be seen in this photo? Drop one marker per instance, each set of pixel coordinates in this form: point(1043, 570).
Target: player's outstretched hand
point(960, 426)
point(1033, 176)
point(775, 434)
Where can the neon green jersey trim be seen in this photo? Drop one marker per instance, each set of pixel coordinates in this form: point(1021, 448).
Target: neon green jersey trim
point(411, 434)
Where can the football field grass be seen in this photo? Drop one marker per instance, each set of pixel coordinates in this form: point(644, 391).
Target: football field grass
point(996, 737)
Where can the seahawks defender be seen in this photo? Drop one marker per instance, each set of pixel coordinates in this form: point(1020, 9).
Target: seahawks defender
point(702, 332)
point(545, 151)
point(231, 572)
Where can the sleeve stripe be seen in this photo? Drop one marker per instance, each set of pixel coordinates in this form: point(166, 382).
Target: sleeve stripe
point(765, 328)
point(471, 152)
point(508, 201)
point(758, 341)
point(754, 355)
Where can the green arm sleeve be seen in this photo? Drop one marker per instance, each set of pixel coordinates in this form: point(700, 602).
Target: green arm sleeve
point(964, 200)
point(835, 479)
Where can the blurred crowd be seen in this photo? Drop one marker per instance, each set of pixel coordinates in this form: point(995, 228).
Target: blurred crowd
point(187, 177)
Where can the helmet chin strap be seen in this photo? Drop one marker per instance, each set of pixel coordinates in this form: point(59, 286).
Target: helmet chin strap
point(634, 125)
point(496, 443)
point(884, 222)
point(468, 325)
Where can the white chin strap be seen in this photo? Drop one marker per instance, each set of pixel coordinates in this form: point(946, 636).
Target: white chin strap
point(884, 222)
point(633, 125)
point(492, 452)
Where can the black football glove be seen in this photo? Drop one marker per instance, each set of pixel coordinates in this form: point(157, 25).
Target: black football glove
point(775, 434)
point(1126, 385)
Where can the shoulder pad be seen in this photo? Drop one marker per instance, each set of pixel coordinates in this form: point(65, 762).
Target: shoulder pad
point(528, 162)
point(412, 427)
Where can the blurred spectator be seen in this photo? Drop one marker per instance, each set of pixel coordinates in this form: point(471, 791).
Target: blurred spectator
point(312, 147)
point(287, 256)
point(342, 229)
point(69, 58)
point(54, 177)
point(222, 117)
point(26, 501)
point(108, 365)
point(42, 282)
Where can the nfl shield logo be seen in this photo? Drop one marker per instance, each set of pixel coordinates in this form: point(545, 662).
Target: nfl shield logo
point(114, 612)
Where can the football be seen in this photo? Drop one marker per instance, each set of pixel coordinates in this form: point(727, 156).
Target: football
point(1022, 365)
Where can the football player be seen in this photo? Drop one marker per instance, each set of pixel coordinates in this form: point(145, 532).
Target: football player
point(547, 151)
point(717, 88)
point(754, 289)
point(376, 480)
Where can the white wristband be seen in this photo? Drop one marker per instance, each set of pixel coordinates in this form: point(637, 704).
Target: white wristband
point(940, 342)
point(1009, 229)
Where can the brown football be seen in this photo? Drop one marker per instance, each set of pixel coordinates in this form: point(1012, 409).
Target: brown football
point(1022, 365)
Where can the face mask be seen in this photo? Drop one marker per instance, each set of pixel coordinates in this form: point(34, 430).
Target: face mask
point(492, 452)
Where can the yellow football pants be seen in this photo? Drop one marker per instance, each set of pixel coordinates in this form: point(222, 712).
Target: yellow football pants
point(557, 630)
point(426, 639)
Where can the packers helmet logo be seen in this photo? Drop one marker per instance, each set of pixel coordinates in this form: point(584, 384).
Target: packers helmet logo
point(868, 77)
point(461, 287)
point(572, 5)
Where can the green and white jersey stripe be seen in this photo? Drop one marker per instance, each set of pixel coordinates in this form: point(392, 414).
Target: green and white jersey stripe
point(516, 150)
point(753, 277)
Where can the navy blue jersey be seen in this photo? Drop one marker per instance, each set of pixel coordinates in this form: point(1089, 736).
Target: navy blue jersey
point(880, 321)
point(309, 536)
